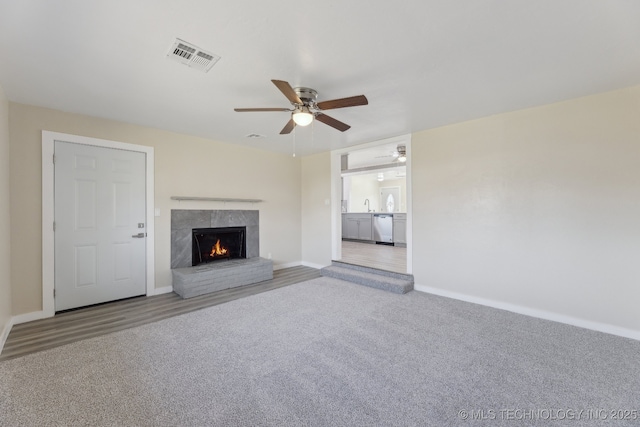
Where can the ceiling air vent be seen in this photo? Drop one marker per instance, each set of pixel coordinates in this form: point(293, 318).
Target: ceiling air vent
point(192, 55)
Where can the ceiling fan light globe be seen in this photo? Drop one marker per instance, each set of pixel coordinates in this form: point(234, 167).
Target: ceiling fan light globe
point(302, 118)
point(402, 159)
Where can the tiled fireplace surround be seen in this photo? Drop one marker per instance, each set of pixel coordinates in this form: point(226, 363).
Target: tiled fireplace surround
point(191, 281)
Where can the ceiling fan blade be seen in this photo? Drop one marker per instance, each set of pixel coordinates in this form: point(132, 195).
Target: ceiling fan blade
point(337, 124)
point(288, 91)
point(245, 110)
point(288, 127)
point(351, 101)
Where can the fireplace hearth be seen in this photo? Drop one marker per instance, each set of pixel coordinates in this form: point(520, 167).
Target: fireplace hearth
point(228, 251)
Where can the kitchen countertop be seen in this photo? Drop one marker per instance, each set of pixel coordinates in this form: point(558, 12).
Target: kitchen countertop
point(386, 213)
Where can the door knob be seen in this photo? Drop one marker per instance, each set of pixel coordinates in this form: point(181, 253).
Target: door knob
point(138, 236)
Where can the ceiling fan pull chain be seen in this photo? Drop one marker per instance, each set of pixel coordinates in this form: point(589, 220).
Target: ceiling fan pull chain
point(294, 142)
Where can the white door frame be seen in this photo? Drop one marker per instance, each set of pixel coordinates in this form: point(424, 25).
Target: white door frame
point(48, 248)
point(336, 192)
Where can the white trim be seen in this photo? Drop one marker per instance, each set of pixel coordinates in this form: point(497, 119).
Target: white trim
point(5, 333)
point(532, 312)
point(296, 264)
point(29, 317)
point(48, 247)
point(313, 265)
point(409, 201)
point(336, 203)
point(287, 265)
point(48, 243)
point(162, 290)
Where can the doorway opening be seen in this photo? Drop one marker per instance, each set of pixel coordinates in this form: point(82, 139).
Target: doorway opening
point(371, 186)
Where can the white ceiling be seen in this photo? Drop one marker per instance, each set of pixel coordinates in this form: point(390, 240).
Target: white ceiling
point(421, 63)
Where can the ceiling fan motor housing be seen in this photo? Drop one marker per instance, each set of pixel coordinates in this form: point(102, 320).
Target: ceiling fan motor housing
point(306, 94)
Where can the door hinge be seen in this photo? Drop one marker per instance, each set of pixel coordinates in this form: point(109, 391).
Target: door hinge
point(54, 159)
point(54, 293)
point(54, 226)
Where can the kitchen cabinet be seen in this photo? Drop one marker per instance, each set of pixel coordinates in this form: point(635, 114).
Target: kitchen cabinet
point(344, 226)
point(357, 226)
point(400, 229)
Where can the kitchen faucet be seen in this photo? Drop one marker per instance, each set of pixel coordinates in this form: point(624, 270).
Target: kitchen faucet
point(366, 202)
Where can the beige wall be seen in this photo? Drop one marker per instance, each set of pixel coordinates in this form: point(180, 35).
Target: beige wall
point(184, 166)
point(5, 228)
point(316, 213)
point(538, 208)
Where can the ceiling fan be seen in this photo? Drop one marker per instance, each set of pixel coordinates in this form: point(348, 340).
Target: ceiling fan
point(398, 155)
point(305, 108)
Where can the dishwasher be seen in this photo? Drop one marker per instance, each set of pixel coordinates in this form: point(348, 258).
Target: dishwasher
point(383, 228)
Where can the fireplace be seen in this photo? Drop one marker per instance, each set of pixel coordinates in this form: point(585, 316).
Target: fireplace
point(217, 244)
point(184, 221)
point(226, 254)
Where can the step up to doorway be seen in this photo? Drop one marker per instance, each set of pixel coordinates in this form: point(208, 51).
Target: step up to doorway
point(380, 279)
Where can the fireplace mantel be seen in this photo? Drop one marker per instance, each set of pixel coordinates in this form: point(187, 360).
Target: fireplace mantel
point(215, 199)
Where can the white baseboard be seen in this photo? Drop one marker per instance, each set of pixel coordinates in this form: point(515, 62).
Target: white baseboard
point(540, 314)
point(5, 333)
point(160, 291)
point(29, 317)
point(312, 265)
point(37, 315)
point(287, 265)
point(297, 264)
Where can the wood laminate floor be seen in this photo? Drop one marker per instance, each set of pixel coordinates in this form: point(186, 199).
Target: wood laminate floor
point(88, 322)
point(390, 258)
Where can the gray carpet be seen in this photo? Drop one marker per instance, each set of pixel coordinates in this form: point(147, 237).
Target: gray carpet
point(331, 353)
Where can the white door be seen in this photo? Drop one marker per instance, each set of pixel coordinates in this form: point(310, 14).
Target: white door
point(99, 224)
point(389, 199)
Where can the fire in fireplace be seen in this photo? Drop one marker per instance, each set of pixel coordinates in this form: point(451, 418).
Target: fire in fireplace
point(215, 244)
